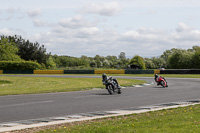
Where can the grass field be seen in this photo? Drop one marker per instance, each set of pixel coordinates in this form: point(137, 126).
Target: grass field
point(179, 120)
point(34, 85)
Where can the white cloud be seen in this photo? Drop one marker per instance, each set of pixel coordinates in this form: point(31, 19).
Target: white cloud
point(186, 33)
point(87, 31)
point(11, 10)
point(75, 22)
point(11, 13)
point(182, 27)
point(162, 3)
point(11, 32)
point(106, 9)
point(6, 31)
point(90, 41)
point(39, 23)
point(34, 12)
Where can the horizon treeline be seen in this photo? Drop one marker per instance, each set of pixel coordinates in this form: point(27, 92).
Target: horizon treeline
point(15, 48)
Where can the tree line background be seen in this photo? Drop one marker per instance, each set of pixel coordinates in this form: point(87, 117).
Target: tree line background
point(15, 48)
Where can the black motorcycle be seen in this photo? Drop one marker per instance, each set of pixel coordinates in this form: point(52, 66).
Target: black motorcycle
point(111, 84)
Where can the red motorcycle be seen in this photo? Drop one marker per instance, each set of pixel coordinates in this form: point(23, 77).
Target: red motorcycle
point(161, 81)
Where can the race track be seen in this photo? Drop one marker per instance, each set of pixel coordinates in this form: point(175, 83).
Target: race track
point(25, 107)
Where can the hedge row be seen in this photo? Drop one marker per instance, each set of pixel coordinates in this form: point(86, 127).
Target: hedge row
point(180, 71)
point(139, 71)
point(19, 65)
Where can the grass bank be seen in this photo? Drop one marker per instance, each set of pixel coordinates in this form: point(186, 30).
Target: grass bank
point(34, 85)
point(179, 120)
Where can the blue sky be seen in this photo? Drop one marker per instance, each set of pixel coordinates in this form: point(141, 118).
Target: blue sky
point(104, 27)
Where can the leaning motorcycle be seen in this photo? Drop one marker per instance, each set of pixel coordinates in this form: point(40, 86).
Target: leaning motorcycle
point(162, 81)
point(111, 85)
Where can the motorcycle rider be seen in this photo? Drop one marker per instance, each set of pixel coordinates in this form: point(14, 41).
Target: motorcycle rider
point(105, 78)
point(157, 78)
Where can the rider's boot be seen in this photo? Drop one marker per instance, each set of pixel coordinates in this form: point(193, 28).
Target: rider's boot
point(119, 90)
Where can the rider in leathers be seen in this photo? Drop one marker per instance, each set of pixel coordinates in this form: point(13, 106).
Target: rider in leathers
point(105, 78)
point(157, 77)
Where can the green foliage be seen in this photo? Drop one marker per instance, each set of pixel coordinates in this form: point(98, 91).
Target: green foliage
point(123, 61)
point(5, 82)
point(67, 61)
point(180, 59)
point(90, 62)
point(122, 56)
point(19, 65)
point(159, 62)
point(137, 60)
point(50, 64)
point(28, 50)
point(149, 63)
point(177, 59)
point(196, 58)
point(8, 50)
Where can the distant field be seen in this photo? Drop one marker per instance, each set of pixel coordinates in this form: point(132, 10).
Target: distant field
point(10, 85)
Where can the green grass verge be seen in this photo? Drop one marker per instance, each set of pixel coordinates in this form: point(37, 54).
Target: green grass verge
point(4, 82)
point(34, 85)
point(179, 120)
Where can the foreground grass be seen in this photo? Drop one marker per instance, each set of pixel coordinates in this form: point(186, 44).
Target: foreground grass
point(33, 85)
point(4, 82)
point(180, 120)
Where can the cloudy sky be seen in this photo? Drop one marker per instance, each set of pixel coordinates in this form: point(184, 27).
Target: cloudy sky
point(104, 27)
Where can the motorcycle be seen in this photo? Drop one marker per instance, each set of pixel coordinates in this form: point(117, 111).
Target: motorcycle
point(111, 84)
point(161, 81)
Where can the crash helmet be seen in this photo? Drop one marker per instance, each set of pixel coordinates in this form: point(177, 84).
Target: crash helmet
point(156, 75)
point(104, 76)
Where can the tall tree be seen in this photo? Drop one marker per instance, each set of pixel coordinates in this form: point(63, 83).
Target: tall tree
point(180, 59)
point(149, 63)
point(159, 62)
point(123, 62)
point(137, 60)
point(196, 58)
point(30, 51)
point(122, 56)
point(8, 50)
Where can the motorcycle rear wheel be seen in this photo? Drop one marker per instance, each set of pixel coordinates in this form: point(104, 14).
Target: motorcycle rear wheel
point(162, 83)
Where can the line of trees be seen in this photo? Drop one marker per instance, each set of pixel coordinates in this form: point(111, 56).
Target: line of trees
point(15, 48)
point(176, 59)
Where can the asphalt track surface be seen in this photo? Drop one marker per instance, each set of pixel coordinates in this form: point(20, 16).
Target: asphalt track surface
point(34, 106)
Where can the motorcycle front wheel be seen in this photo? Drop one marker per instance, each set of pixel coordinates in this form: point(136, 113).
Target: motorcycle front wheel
point(110, 89)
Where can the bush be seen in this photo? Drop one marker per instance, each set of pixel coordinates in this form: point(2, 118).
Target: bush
point(19, 65)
